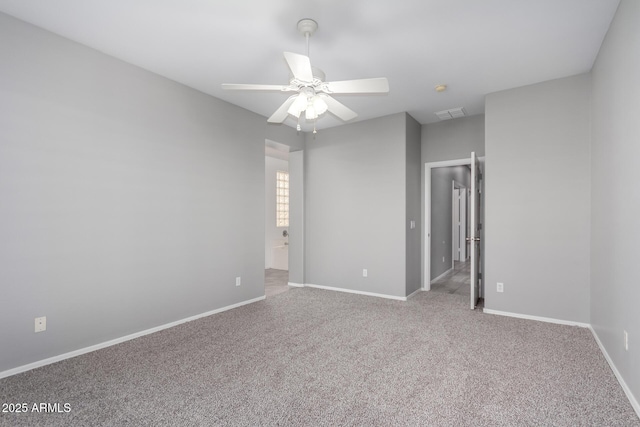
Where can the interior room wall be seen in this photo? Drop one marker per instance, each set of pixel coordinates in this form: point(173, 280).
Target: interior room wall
point(284, 135)
point(271, 230)
point(355, 189)
point(615, 204)
point(128, 201)
point(538, 199)
point(413, 207)
point(453, 139)
point(442, 215)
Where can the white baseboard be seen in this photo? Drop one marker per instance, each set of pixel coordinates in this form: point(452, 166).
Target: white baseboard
point(115, 341)
point(538, 318)
point(351, 291)
point(296, 285)
point(623, 384)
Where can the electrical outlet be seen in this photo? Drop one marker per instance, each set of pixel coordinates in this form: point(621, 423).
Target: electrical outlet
point(500, 287)
point(364, 272)
point(412, 224)
point(238, 281)
point(626, 340)
point(41, 324)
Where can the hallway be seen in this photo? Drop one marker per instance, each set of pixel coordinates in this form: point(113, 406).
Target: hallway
point(456, 281)
point(275, 282)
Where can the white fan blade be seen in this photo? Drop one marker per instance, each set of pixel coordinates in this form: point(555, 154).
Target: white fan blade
point(281, 113)
point(233, 86)
point(375, 85)
point(338, 109)
point(300, 66)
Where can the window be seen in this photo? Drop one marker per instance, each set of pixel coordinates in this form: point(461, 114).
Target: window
point(282, 199)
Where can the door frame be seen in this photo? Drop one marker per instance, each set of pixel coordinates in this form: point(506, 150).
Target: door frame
point(426, 235)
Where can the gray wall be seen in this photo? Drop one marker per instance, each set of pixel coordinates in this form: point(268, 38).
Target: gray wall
point(355, 190)
point(296, 217)
point(286, 135)
point(538, 199)
point(128, 200)
point(441, 214)
point(413, 206)
point(271, 230)
point(615, 200)
point(453, 139)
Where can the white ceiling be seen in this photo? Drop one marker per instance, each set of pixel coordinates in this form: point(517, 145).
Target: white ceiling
point(474, 46)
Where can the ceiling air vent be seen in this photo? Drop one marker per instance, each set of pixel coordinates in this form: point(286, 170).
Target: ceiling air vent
point(453, 113)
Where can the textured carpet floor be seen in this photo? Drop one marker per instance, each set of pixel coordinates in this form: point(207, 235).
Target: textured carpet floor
point(313, 357)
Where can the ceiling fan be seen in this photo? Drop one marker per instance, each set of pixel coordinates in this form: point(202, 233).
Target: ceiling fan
point(312, 94)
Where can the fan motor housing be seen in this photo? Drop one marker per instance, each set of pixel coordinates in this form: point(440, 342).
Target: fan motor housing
point(318, 78)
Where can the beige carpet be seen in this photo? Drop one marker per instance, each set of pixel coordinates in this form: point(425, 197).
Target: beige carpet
point(311, 357)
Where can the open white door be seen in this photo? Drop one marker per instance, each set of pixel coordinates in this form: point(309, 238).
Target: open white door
point(474, 238)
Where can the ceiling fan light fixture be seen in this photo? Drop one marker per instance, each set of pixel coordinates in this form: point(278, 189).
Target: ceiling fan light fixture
point(298, 106)
point(313, 106)
point(310, 113)
point(319, 105)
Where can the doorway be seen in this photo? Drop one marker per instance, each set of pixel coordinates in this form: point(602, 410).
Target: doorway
point(276, 238)
point(440, 263)
point(445, 184)
point(456, 281)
